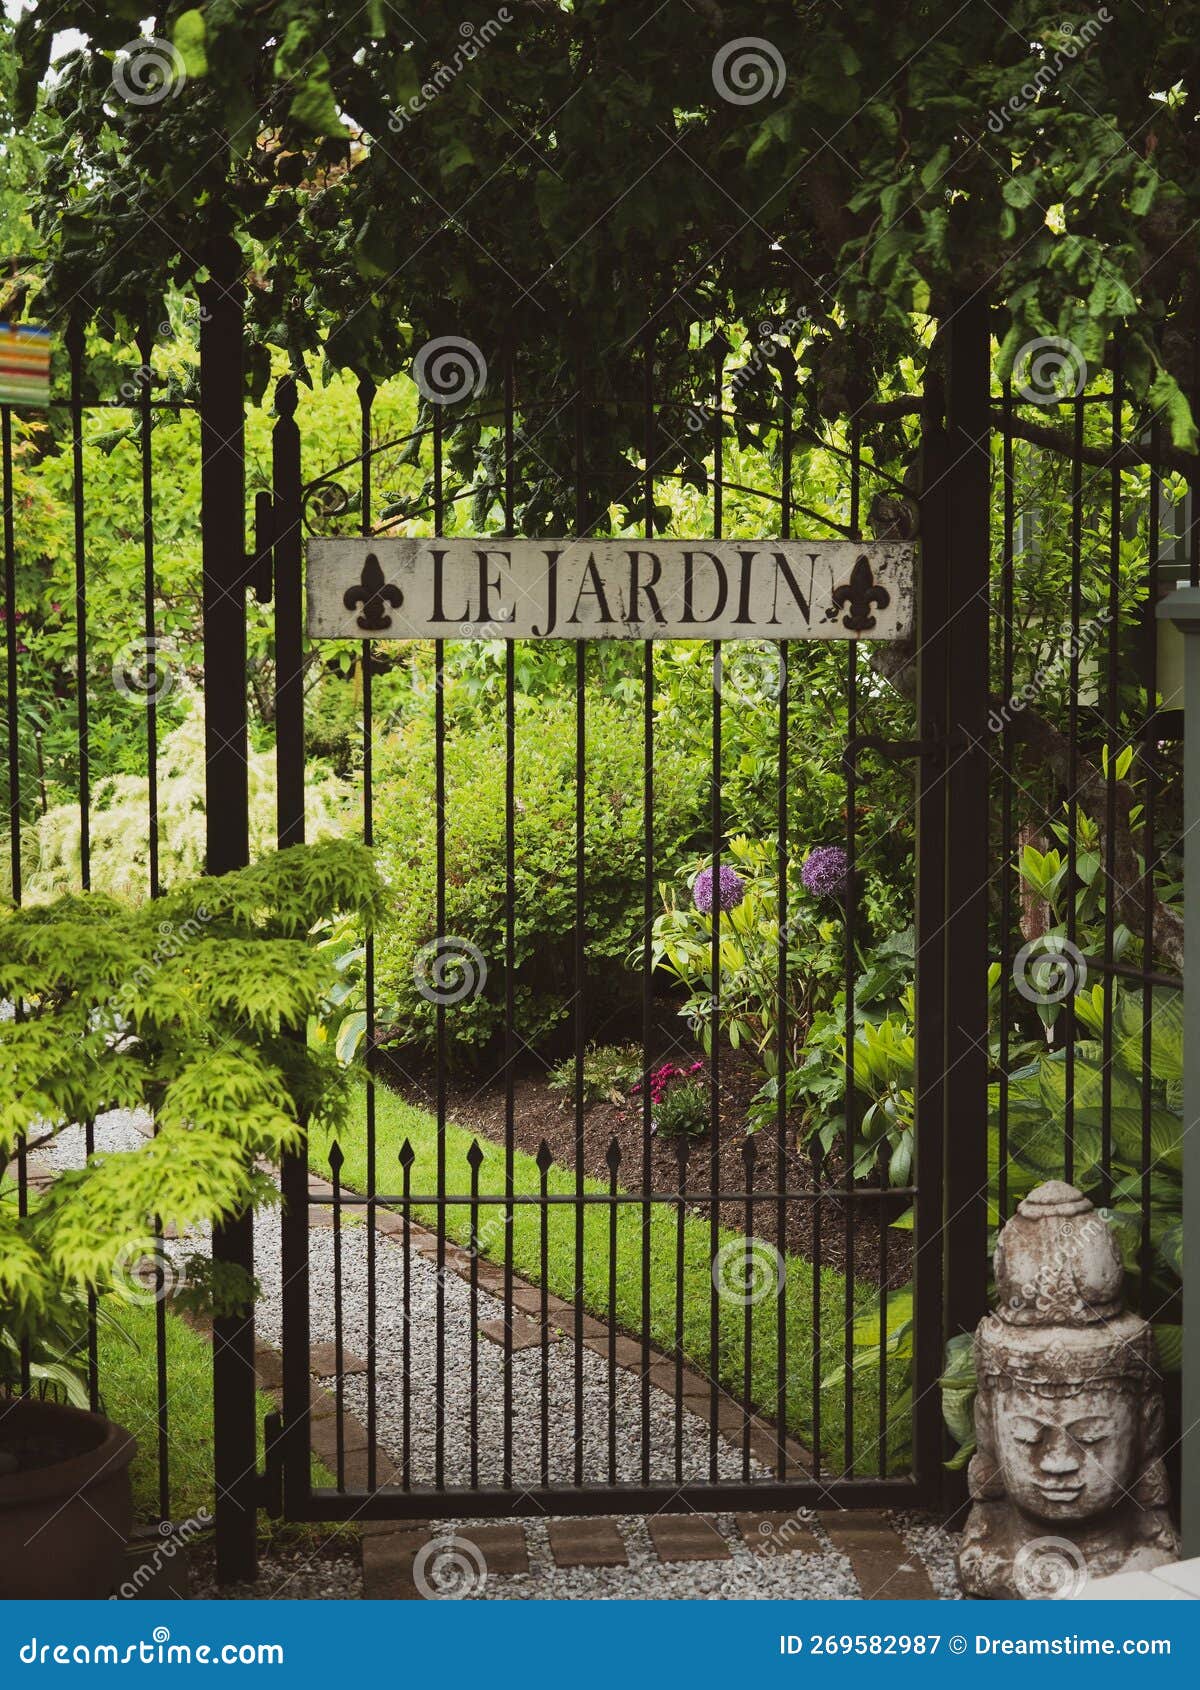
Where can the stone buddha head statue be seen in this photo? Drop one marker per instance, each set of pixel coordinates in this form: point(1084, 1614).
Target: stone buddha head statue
point(1068, 1416)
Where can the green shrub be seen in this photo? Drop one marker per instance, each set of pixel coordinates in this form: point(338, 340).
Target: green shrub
point(680, 1099)
point(545, 861)
point(120, 803)
point(609, 1073)
point(181, 1007)
point(748, 995)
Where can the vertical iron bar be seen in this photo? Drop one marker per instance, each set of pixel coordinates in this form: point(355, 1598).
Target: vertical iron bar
point(474, 1158)
point(1007, 862)
point(1183, 608)
point(580, 1022)
point(967, 612)
point(406, 1157)
point(74, 341)
point(1112, 739)
point(289, 828)
point(848, 963)
point(1150, 861)
point(647, 902)
point(223, 546)
point(14, 765)
point(439, 661)
point(929, 1080)
point(543, 1164)
point(10, 655)
point(510, 932)
point(145, 350)
point(339, 1358)
point(93, 1347)
point(782, 1146)
point(366, 399)
point(145, 456)
point(714, 1064)
point(1072, 881)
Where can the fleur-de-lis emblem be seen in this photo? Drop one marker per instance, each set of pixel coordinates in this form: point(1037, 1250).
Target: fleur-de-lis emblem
point(372, 593)
point(857, 596)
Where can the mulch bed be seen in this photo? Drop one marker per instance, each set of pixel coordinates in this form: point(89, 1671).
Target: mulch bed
point(539, 1113)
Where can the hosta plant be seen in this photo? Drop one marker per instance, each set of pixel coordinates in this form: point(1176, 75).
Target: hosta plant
point(187, 1008)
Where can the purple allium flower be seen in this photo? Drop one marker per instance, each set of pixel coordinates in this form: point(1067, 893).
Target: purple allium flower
point(732, 889)
point(825, 870)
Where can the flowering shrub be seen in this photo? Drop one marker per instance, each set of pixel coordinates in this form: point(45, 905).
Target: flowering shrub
point(731, 889)
point(678, 1100)
point(826, 871)
point(747, 1003)
point(609, 1072)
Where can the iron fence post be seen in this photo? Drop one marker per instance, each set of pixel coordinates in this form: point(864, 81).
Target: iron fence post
point(1183, 609)
point(288, 570)
point(932, 640)
point(227, 841)
point(968, 519)
point(952, 856)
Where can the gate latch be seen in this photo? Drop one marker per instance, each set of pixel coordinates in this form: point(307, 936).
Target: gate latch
point(936, 750)
point(260, 564)
point(270, 1480)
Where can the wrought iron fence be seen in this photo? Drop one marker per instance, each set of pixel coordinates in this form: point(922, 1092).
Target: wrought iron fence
point(976, 770)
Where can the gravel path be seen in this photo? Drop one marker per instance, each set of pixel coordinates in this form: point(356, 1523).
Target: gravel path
point(745, 1576)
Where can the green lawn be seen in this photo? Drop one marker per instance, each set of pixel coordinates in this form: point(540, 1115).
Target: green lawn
point(397, 1120)
point(127, 1371)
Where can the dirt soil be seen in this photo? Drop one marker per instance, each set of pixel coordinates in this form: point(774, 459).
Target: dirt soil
point(830, 1228)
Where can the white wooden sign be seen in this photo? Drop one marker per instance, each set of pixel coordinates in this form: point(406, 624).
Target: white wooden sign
point(394, 589)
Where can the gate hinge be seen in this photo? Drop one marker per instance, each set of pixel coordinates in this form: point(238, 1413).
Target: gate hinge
point(270, 1480)
point(260, 564)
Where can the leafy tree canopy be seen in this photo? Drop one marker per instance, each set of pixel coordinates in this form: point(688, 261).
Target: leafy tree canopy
point(563, 178)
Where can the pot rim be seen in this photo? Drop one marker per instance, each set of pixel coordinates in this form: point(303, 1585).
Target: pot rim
point(109, 1456)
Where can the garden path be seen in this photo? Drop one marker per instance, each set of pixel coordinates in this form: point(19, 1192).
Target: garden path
point(804, 1557)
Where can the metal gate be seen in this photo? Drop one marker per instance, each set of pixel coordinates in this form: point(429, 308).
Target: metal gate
point(568, 1405)
point(695, 1401)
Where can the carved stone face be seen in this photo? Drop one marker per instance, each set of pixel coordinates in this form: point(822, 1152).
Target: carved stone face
point(1066, 1457)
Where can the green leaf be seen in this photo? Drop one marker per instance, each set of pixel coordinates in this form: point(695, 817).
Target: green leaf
point(189, 37)
point(1168, 1341)
point(350, 1035)
point(1167, 396)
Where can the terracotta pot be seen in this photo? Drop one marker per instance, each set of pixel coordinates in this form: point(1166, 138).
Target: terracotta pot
point(66, 1513)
